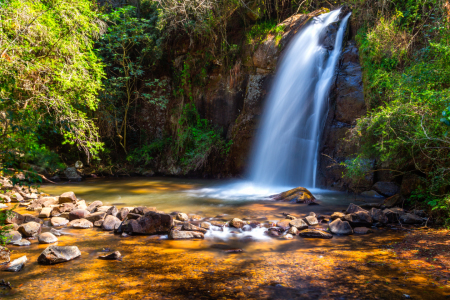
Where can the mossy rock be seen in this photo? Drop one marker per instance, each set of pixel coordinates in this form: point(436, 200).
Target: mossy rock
point(297, 195)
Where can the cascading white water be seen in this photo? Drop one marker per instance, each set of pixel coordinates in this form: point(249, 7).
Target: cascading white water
point(286, 146)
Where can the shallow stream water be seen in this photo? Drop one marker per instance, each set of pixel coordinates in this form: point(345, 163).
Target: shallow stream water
point(351, 267)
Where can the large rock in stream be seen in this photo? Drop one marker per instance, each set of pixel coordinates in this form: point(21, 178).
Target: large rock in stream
point(30, 229)
point(58, 254)
point(150, 223)
point(340, 227)
point(313, 233)
point(297, 195)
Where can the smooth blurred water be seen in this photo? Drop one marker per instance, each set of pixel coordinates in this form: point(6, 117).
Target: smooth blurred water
point(285, 152)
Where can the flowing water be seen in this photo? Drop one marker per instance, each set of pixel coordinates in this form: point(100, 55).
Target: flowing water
point(286, 145)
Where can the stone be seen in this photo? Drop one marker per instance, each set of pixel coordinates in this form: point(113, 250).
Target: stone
point(217, 223)
point(311, 220)
point(378, 216)
point(150, 223)
point(352, 208)
point(122, 213)
point(191, 227)
point(98, 223)
point(12, 236)
point(362, 230)
point(340, 227)
point(393, 217)
point(16, 265)
point(48, 201)
point(112, 211)
point(247, 228)
point(58, 221)
point(78, 214)
point(72, 174)
point(31, 218)
point(410, 219)
point(56, 232)
point(337, 215)
point(371, 194)
point(34, 206)
point(22, 242)
point(293, 231)
point(58, 254)
point(132, 216)
point(4, 255)
point(80, 224)
point(47, 238)
point(285, 224)
point(97, 216)
point(110, 223)
point(142, 210)
point(288, 236)
point(179, 235)
point(313, 233)
point(395, 200)
point(359, 218)
point(237, 223)
point(386, 188)
point(112, 256)
point(12, 217)
point(68, 197)
point(205, 225)
point(297, 195)
point(312, 214)
point(182, 217)
point(93, 206)
point(67, 207)
point(299, 224)
point(5, 198)
point(30, 229)
point(81, 205)
point(16, 197)
point(56, 212)
point(103, 208)
point(45, 212)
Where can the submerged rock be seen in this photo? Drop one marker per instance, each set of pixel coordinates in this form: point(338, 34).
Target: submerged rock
point(58, 254)
point(313, 233)
point(56, 232)
point(47, 238)
point(340, 227)
point(16, 265)
point(22, 242)
point(191, 227)
point(177, 235)
point(112, 256)
point(297, 195)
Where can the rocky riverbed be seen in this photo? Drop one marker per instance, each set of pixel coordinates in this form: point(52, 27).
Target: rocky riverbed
point(173, 254)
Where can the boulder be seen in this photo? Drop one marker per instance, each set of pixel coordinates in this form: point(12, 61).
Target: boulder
point(420, 213)
point(93, 206)
point(103, 208)
point(72, 174)
point(56, 232)
point(98, 223)
point(68, 197)
point(352, 208)
point(340, 227)
point(205, 225)
point(371, 194)
point(297, 195)
point(67, 207)
point(142, 210)
point(393, 217)
point(293, 231)
point(311, 220)
point(112, 256)
point(81, 205)
point(179, 235)
point(110, 223)
point(237, 223)
point(34, 205)
point(97, 216)
point(30, 229)
point(112, 211)
point(182, 217)
point(16, 197)
point(132, 216)
point(337, 215)
point(395, 200)
point(411, 219)
point(12, 236)
point(58, 221)
point(58, 254)
point(4, 198)
point(48, 201)
point(299, 224)
point(386, 188)
point(4, 255)
point(378, 216)
point(150, 223)
point(122, 214)
point(284, 224)
point(11, 217)
point(80, 224)
point(359, 218)
point(31, 218)
point(16, 265)
point(191, 227)
point(45, 212)
point(22, 242)
point(78, 214)
point(56, 212)
point(313, 233)
point(362, 230)
point(47, 238)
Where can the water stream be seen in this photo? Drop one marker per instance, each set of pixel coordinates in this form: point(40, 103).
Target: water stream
point(286, 146)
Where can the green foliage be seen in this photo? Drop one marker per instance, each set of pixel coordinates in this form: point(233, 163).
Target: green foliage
point(49, 76)
point(144, 155)
point(197, 139)
point(357, 168)
point(259, 32)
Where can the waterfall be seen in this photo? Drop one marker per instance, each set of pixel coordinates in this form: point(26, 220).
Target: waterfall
point(286, 148)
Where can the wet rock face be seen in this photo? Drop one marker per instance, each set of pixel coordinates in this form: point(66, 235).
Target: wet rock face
point(58, 254)
point(327, 37)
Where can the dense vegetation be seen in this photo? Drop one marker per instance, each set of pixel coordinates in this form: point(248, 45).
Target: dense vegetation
point(74, 77)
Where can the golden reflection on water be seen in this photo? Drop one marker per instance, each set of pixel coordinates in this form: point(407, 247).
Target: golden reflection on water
point(353, 267)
